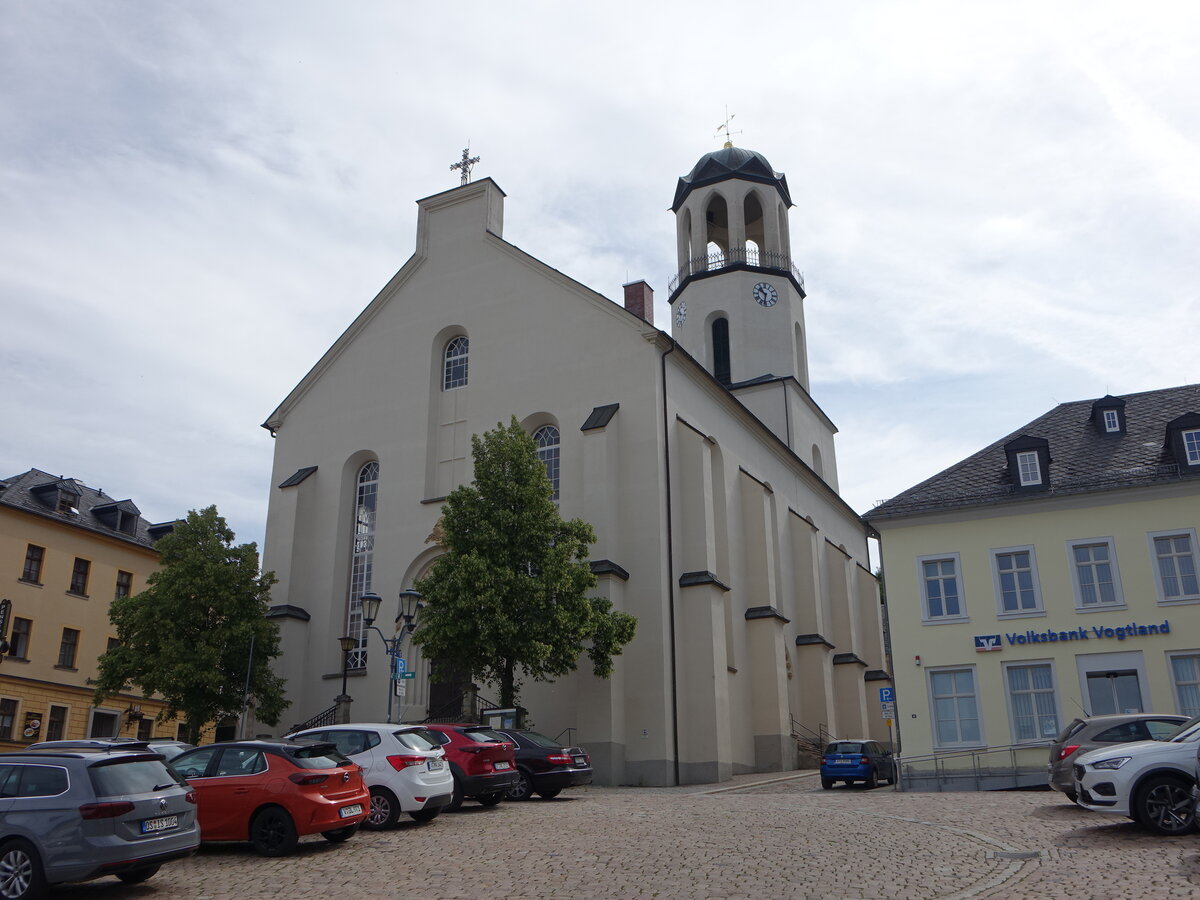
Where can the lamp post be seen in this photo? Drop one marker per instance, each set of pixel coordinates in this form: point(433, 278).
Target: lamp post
point(343, 701)
point(406, 624)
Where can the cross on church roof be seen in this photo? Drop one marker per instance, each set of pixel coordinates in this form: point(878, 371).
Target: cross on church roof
point(725, 128)
point(465, 164)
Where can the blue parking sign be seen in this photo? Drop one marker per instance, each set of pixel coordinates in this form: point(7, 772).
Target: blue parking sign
point(887, 695)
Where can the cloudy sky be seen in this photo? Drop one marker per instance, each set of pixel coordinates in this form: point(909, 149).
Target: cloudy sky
point(997, 204)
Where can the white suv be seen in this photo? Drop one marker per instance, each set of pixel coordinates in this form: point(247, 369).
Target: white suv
point(403, 765)
point(1148, 781)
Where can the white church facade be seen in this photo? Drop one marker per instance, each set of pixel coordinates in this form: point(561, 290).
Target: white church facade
point(701, 460)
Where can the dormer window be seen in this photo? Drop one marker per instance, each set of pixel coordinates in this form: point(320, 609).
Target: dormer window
point(1191, 446)
point(61, 496)
point(1109, 415)
point(1028, 469)
point(1028, 463)
point(1111, 421)
point(1183, 442)
point(122, 516)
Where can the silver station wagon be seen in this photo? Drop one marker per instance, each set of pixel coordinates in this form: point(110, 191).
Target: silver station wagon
point(74, 815)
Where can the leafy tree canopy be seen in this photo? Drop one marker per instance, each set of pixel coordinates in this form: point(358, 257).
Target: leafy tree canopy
point(188, 636)
point(508, 599)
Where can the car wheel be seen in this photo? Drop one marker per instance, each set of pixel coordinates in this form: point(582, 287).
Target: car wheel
point(20, 872)
point(425, 815)
point(871, 781)
point(137, 876)
point(1164, 805)
point(456, 798)
point(272, 832)
point(549, 795)
point(490, 799)
point(827, 783)
point(522, 788)
point(384, 810)
point(339, 834)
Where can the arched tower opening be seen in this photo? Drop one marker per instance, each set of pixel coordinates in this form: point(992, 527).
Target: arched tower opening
point(756, 232)
point(716, 230)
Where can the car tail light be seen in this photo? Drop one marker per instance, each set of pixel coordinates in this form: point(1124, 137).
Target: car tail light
point(866, 760)
point(564, 758)
point(108, 810)
point(190, 796)
point(301, 778)
point(400, 763)
point(1067, 751)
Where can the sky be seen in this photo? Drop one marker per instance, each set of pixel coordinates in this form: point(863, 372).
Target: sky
point(997, 205)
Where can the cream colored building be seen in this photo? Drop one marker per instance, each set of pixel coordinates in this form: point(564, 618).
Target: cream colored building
point(1051, 575)
point(705, 466)
point(66, 551)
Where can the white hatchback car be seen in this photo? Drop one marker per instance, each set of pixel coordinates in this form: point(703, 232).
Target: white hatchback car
point(1148, 781)
point(403, 765)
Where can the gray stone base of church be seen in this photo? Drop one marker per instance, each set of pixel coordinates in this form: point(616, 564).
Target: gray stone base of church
point(649, 773)
point(774, 752)
point(704, 772)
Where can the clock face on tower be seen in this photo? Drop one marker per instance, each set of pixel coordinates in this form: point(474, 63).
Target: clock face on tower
point(765, 294)
point(680, 313)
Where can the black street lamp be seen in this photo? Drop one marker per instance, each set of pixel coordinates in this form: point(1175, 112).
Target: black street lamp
point(406, 624)
point(347, 644)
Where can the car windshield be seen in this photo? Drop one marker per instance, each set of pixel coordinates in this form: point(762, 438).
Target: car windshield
point(417, 739)
point(484, 735)
point(844, 747)
point(321, 756)
point(1070, 730)
point(118, 778)
point(1189, 732)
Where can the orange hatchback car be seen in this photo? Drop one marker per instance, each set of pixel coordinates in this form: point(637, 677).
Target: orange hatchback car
point(271, 793)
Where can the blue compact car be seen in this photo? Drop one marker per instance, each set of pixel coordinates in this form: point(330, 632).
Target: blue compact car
point(857, 760)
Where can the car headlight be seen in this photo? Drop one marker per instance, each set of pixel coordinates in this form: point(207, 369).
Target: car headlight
point(1115, 763)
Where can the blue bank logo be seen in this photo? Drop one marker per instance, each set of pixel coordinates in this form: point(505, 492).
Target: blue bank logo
point(985, 642)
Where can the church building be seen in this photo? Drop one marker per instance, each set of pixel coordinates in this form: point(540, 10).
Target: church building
point(705, 466)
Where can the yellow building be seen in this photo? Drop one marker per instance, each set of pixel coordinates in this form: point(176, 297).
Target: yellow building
point(66, 551)
point(1049, 576)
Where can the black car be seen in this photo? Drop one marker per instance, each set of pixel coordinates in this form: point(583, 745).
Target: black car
point(545, 766)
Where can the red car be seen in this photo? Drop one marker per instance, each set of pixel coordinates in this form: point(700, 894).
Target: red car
point(270, 793)
point(483, 763)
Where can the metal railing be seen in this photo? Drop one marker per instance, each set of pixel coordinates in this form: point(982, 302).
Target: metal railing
point(808, 740)
point(325, 717)
point(988, 768)
point(712, 262)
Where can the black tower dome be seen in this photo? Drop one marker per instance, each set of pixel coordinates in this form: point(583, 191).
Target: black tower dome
point(726, 163)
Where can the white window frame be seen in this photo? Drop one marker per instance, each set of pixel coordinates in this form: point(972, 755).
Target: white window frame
point(550, 453)
point(1112, 422)
point(1191, 445)
point(116, 714)
point(1091, 663)
point(451, 362)
point(1029, 467)
point(1175, 683)
point(1053, 692)
point(933, 716)
point(1077, 586)
point(1001, 612)
point(926, 617)
point(1189, 533)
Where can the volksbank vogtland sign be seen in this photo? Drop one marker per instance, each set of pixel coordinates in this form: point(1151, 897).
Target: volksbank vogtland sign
point(986, 642)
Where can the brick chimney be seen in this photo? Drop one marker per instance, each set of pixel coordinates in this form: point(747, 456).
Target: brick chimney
point(639, 300)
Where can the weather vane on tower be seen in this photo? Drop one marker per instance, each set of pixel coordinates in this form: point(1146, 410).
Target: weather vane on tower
point(465, 163)
point(725, 128)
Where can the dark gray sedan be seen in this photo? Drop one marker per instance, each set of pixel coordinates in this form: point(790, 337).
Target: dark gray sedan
point(1094, 732)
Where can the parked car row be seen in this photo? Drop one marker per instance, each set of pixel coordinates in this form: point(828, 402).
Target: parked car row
point(77, 810)
point(1143, 766)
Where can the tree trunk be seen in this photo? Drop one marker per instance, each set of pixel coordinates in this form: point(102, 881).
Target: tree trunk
point(508, 696)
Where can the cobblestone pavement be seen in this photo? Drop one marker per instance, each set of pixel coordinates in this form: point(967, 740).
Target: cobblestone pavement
point(758, 837)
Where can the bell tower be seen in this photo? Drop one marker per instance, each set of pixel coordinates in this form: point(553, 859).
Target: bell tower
point(737, 300)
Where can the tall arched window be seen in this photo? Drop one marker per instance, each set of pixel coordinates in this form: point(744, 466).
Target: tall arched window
point(720, 345)
point(362, 559)
point(546, 439)
point(454, 372)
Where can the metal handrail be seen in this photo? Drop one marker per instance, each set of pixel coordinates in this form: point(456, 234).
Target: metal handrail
point(567, 731)
point(325, 717)
point(976, 772)
point(765, 259)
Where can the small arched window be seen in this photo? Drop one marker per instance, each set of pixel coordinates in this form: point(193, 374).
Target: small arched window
point(546, 439)
point(454, 371)
point(720, 345)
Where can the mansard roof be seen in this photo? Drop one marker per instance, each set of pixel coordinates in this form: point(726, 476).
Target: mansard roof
point(37, 492)
point(1084, 459)
point(726, 163)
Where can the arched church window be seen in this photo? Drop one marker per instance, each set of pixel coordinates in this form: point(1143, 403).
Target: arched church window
point(720, 345)
point(546, 439)
point(362, 559)
point(454, 372)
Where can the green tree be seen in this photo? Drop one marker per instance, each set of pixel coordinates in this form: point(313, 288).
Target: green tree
point(188, 636)
point(508, 599)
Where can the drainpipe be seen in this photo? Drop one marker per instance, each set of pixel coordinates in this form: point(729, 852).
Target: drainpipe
point(670, 557)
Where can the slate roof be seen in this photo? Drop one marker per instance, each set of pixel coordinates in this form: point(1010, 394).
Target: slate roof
point(726, 163)
point(1083, 459)
point(22, 492)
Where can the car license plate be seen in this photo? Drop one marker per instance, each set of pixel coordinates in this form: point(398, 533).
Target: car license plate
point(436, 765)
point(353, 810)
point(500, 765)
point(580, 761)
point(163, 823)
point(844, 762)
